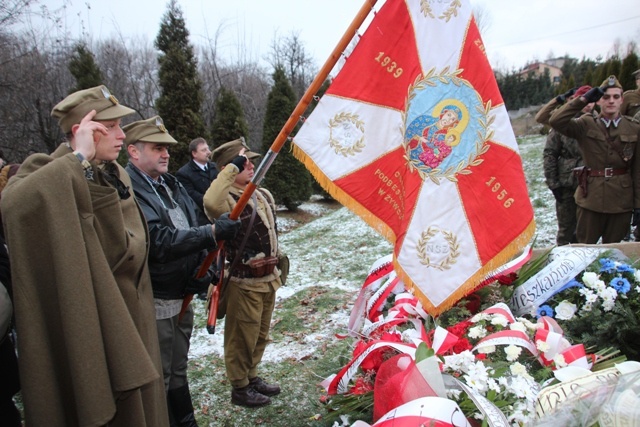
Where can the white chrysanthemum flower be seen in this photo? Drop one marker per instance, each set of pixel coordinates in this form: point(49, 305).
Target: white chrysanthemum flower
point(487, 349)
point(499, 320)
point(589, 279)
point(519, 326)
point(528, 324)
point(453, 394)
point(513, 352)
point(477, 331)
point(558, 359)
point(608, 304)
point(587, 307)
point(566, 310)
point(460, 361)
point(542, 346)
point(493, 385)
point(600, 286)
point(479, 317)
point(519, 369)
point(589, 296)
point(636, 275)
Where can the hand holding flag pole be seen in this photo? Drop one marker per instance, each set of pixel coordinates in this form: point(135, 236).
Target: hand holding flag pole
point(275, 149)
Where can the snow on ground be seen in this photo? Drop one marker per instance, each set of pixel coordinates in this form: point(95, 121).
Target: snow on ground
point(337, 249)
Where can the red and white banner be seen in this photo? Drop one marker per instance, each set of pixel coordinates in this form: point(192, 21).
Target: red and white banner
point(413, 136)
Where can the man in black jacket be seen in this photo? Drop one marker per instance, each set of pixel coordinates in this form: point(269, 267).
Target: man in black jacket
point(197, 174)
point(178, 246)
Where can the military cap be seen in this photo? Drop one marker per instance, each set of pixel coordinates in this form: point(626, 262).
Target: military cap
point(71, 110)
point(228, 151)
point(636, 74)
point(610, 81)
point(150, 130)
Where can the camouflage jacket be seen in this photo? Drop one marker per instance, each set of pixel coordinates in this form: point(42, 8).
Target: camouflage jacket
point(560, 155)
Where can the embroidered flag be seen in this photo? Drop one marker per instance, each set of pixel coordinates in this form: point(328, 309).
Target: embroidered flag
point(413, 136)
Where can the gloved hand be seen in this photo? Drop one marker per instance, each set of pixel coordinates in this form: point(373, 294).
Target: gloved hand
point(594, 94)
point(635, 220)
point(226, 228)
point(568, 94)
point(239, 162)
point(557, 193)
point(201, 285)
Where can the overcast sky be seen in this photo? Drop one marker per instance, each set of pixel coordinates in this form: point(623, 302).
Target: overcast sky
point(514, 31)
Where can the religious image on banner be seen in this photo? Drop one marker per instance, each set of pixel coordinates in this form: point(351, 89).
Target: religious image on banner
point(413, 136)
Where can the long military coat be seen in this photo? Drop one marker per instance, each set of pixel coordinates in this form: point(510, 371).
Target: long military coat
point(88, 346)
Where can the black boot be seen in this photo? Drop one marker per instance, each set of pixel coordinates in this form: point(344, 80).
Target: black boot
point(181, 408)
point(247, 396)
point(262, 387)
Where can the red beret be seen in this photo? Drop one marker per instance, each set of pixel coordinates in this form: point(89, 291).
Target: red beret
point(582, 90)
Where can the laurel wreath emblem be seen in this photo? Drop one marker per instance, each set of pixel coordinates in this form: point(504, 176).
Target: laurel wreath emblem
point(346, 150)
point(451, 11)
point(484, 120)
point(454, 249)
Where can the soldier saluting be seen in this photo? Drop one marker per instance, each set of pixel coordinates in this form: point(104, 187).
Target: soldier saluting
point(610, 192)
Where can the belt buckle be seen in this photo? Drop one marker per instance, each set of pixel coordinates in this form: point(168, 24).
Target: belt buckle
point(608, 172)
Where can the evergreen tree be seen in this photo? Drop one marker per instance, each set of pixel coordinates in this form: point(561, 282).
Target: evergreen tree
point(83, 67)
point(229, 123)
point(181, 96)
point(629, 65)
point(287, 179)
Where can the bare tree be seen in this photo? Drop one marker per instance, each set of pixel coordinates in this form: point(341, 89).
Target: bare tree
point(288, 52)
point(483, 18)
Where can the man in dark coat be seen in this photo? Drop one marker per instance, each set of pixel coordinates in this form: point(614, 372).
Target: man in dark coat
point(88, 349)
point(610, 189)
point(196, 175)
point(178, 247)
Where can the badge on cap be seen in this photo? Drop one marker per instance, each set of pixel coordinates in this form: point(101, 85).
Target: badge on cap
point(612, 81)
point(160, 125)
point(108, 95)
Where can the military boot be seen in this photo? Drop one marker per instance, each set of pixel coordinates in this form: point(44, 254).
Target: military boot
point(262, 387)
point(247, 396)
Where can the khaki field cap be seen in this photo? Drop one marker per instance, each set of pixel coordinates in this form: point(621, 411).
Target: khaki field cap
point(150, 130)
point(71, 110)
point(229, 151)
point(610, 81)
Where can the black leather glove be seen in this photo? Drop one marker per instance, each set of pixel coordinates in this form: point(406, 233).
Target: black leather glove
point(201, 285)
point(557, 193)
point(239, 162)
point(568, 94)
point(594, 94)
point(635, 220)
point(226, 228)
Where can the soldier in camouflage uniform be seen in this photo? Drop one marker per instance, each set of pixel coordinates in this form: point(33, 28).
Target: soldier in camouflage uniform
point(561, 155)
point(631, 98)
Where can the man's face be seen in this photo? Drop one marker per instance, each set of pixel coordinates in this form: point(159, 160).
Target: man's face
point(202, 153)
point(610, 102)
point(244, 177)
point(108, 146)
point(151, 158)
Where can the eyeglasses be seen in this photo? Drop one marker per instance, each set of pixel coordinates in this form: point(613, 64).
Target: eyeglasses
point(616, 96)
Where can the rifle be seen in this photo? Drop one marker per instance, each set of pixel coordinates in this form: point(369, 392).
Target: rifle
point(279, 142)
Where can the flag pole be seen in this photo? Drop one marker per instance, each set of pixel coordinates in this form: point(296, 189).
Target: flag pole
point(283, 135)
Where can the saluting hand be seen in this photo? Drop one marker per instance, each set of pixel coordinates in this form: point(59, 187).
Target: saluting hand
point(87, 135)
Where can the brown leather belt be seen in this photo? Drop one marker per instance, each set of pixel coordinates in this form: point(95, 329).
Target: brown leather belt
point(608, 172)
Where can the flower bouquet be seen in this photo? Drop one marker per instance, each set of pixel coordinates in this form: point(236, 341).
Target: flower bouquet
point(600, 307)
point(491, 365)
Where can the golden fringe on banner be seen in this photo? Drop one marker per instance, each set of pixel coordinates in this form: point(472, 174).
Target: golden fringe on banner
point(378, 225)
point(336, 192)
